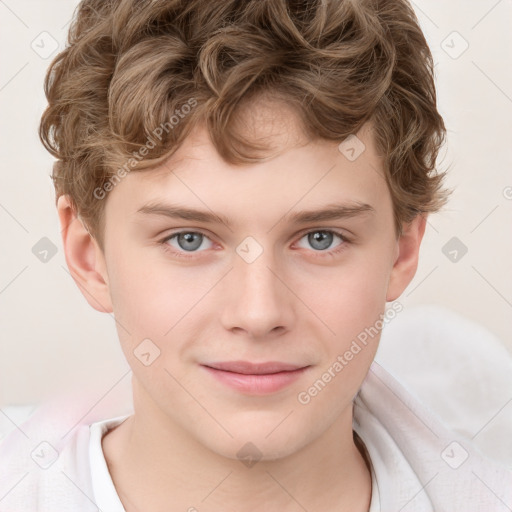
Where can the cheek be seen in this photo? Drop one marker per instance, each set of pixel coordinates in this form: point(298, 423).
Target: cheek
point(150, 305)
point(352, 305)
point(351, 296)
point(157, 301)
point(151, 295)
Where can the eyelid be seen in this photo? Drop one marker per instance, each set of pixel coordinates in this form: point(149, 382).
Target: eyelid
point(167, 237)
point(343, 233)
point(300, 234)
point(185, 230)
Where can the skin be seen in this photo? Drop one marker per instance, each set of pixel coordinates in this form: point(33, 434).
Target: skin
point(293, 304)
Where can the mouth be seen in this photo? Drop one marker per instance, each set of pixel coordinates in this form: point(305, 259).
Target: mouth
point(255, 378)
point(248, 368)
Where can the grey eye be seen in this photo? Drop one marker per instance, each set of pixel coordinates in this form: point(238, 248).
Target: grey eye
point(188, 241)
point(321, 240)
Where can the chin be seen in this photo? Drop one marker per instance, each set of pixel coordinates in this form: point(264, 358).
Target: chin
point(253, 444)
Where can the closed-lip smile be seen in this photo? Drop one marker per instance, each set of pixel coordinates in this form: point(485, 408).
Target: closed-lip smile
point(255, 378)
point(249, 368)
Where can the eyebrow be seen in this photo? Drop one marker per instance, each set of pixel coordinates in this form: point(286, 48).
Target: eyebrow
point(329, 212)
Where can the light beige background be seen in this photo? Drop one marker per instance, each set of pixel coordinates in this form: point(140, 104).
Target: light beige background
point(52, 340)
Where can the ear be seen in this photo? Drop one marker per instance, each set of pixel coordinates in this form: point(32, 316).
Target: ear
point(406, 262)
point(84, 258)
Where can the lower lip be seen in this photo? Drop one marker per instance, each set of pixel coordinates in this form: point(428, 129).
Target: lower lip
point(256, 384)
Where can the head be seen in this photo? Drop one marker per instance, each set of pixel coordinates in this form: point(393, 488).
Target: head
point(254, 113)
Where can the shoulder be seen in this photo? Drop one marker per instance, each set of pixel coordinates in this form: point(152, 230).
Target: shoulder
point(418, 462)
point(45, 465)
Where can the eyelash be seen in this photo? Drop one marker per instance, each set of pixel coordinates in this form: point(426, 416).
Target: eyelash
point(322, 254)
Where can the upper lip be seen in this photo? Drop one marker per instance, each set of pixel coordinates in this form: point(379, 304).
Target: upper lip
point(248, 368)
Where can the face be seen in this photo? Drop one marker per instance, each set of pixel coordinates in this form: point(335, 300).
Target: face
point(253, 279)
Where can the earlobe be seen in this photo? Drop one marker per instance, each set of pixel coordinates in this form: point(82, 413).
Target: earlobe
point(84, 258)
point(406, 263)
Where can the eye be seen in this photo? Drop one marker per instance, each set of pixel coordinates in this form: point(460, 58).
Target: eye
point(322, 239)
point(185, 241)
point(184, 244)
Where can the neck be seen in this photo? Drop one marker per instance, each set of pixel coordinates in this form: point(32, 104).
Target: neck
point(154, 462)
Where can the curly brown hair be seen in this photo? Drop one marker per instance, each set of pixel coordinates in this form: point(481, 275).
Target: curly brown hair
point(137, 75)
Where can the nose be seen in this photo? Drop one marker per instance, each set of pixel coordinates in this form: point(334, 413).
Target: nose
point(256, 298)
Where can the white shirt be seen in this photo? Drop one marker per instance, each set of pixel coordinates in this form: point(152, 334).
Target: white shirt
point(418, 465)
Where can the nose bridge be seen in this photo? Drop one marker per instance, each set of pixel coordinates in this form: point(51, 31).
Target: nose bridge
point(258, 302)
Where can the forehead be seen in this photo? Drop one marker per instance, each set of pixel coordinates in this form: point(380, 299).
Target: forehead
point(299, 173)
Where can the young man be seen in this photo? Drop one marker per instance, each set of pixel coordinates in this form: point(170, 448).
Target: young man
point(245, 185)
